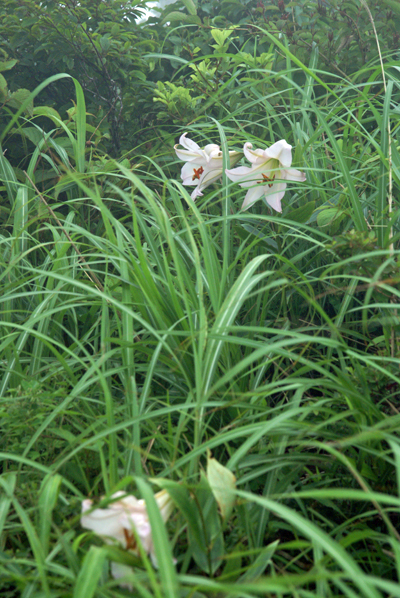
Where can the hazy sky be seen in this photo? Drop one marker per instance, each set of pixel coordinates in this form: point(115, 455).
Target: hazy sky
point(159, 4)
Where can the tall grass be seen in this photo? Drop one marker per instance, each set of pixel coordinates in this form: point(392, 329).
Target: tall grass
point(140, 330)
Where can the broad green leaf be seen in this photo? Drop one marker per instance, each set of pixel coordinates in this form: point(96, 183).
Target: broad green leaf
point(222, 483)
point(105, 44)
point(161, 541)
point(47, 501)
point(175, 16)
point(29, 100)
point(393, 4)
point(3, 86)
point(7, 484)
point(47, 111)
point(303, 213)
point(221, 35)
point(327, 216)
point(200, 511)
point(7, 64)
point(18, 98)
point(7, 176)
point(90, 573)
point(191, 7)
point(211, 522)
point(257, 568)
point(184, 502)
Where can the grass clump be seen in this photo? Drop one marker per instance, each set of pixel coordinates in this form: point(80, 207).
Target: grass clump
point(142, 332)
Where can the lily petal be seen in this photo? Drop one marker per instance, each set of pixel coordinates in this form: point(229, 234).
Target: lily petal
point(187, 156)
point(252, 195)
point(281, 151)
point(206, 179)
point(274, 195)
point(212, 150)
point(189, 144)
point(291, 174)
point(125, 518)
point(165, 504)
point(254, 156)
point(103, 522)
point(242, 175)
point(191, 173)
point(118, 570)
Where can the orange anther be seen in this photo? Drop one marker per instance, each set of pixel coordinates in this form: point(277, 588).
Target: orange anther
point(197, 173)
point(267, 179)
point(130, 540)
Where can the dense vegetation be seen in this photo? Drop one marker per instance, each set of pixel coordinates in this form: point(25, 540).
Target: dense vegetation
point(151, 342)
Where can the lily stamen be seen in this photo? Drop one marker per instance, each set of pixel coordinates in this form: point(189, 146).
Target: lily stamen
point(266, 179)
point(197, 173)
point(130, 540)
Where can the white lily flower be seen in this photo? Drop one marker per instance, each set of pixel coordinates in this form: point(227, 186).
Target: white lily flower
point(203, 166)
point(266, 166)
point(121, 517)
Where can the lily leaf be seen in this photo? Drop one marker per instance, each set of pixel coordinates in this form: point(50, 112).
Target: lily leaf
point(222, 483)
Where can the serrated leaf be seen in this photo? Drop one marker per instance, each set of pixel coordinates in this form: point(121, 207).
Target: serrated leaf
point(222, 483)
point(32, 133)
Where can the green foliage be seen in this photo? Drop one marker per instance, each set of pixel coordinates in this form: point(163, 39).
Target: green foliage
point(113, 56)
point(140, 331)
point(177, 101)
point(341, 29)
point(97, 42)
point(17, 98)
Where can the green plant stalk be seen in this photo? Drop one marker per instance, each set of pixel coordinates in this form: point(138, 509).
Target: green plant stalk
point(226, 212)
point(105, 363)
point(128, 354)
point(383, 207)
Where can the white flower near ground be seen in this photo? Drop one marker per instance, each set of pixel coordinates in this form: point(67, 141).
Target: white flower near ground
point(267, 166)
point(118, 521)
point(203, 165)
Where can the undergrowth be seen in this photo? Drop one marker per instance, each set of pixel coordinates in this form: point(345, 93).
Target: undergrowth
point(140, 330)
